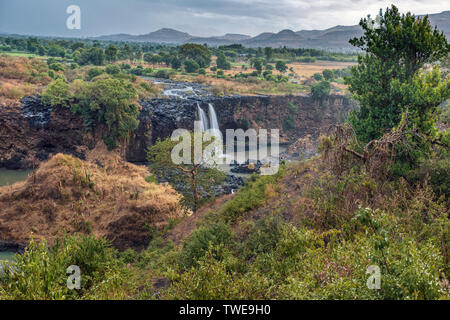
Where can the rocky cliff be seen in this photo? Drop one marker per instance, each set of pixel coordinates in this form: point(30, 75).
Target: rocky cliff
point(294, 116)
point(30, 133)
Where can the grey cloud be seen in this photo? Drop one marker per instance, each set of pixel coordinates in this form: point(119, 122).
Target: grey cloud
point(198, 17)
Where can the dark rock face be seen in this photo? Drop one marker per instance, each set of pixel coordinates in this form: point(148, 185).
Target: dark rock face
point(32, 132)
point(37, 114)
point(9, 246)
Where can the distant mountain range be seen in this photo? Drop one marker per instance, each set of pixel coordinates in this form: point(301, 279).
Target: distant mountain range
point(333, 39)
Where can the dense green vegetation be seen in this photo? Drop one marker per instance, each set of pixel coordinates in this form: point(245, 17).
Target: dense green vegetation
point(88, 52)
point(101, 95)
point(386, 76)
point(43, 271)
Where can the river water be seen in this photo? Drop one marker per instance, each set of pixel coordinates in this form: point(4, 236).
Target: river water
point(8, 177)
point(6, 256)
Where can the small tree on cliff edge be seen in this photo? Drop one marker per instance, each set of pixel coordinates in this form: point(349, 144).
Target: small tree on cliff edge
point(396, 49)
point(194, 181)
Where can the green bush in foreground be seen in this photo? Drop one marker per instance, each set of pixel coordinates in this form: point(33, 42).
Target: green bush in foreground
point(40, 272)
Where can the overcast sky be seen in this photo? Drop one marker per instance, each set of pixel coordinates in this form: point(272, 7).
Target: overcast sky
point(197, 17)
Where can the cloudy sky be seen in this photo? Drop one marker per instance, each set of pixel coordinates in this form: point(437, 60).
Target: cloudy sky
point(197, 17)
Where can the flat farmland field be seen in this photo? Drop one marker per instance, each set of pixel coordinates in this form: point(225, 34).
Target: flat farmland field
point(308, 69)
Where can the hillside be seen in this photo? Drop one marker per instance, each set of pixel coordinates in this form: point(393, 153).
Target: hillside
point(335, 38)
point(104, 196)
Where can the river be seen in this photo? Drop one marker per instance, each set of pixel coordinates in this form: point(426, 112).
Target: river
point(8, 177)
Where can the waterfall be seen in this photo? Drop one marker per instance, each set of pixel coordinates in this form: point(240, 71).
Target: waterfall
point(213, 118)
point(212, 127)
point(203, 118)
point(213, 123)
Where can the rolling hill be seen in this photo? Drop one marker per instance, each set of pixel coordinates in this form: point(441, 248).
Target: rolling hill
point(333, 39)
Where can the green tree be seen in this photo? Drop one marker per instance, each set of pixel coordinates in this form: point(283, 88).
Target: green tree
point(318, 76)
point(281, 66)
point(258, 65)
point(222, 62)
point(396, 50)
point(56, 94)
point(115, 104)
point(320, 90)
point(175, 63)
point(148, 57)
point(191, 65)
point(92, 55)
point(194, 180)
point(328, 74)
point(56, 51)
point(196, 52)
point(106, 101)
point(111, 53)
point(93, 72)
point(268, 52)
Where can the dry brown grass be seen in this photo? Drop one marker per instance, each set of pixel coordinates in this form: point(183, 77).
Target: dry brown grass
point(103, 195)
point(20, 76)
point(309, 69)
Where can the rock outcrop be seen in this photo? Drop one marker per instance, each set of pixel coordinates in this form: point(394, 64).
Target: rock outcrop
point(32, 132)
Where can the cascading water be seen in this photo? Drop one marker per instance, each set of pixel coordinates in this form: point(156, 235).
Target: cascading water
point(215, 131)
point(212, 127)
point(203, 118)
point(214, 124)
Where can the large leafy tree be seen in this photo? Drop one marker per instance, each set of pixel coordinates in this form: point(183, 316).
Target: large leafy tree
point(222, 62)
point(395, 50)
point(281, 66)
point(111, 53)
point(197, 52)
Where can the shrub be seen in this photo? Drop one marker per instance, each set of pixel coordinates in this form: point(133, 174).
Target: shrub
point(320, 90)
point(112, 69)
point(318, 77)
point(163, 74)
point(93, 72)
point(191, 65)
point(197, 245)
point(264, 237)
point(43, 271)
point(56, 94)
point(289, 123)
point(328, 74)
point(250, 196)
point(222, 62)
point(438, 171)
point(56, 67)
